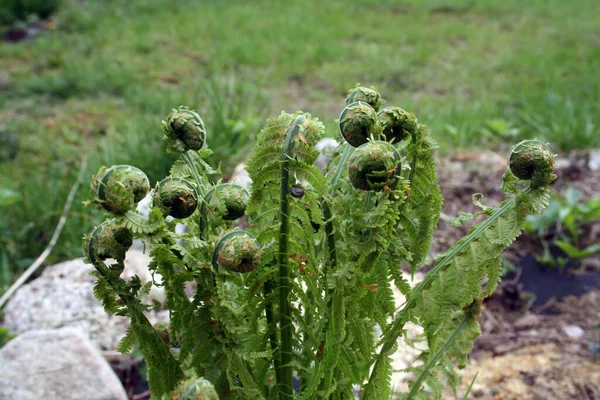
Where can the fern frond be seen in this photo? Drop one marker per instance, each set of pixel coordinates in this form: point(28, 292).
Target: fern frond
point(422, 209)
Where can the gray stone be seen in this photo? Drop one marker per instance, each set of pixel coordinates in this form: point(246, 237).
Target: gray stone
point(573, 331)
point(63, 297)
point(594, 160)
point(241, 176)
point(325, 147)
point(56, 364)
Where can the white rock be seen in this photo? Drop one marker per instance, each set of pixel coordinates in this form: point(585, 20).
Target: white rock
point(572, 331)
point(63, 297)
point(241, 176)
point(143, 207)
point(594, 160)
point(56, 364)
point(325, 147)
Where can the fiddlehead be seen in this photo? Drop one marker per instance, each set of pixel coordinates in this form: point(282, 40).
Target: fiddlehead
point(397, 123)
point(184, 130)
point(176, 197)
point(532, 160)
point(195, 389)
point(227, 200)
point(366, 95)
point(119, 187)
point(236, 251)
point(373, 166)
point(108, 240)
point(358, 123)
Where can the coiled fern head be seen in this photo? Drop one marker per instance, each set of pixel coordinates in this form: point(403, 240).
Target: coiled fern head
point(532, 160)
point(118, 188)
point(176, 197)
point(184, 130)
point(236, 251)
point(373, 166)
point(228, 200)
point(107, 240)
point(358, 123)
point(195, 389)
point(366, 95)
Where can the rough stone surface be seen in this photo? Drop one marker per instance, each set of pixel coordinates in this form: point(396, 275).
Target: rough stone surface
point(594, 160)
point(56, 364)
point(63, 297)
point(325, 147)
point(573, 331)
point(241, 176)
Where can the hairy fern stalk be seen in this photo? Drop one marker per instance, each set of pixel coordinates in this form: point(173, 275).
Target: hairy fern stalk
point(291, 306)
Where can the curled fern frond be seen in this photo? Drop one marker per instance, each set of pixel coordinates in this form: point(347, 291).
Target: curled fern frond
point(373, 166)
point(118, 188)
point(176, 197)
point(227, 200)
point(532, 160)
point(108, 240)
point(236, 251)
point(358, 123)
point(397, 123)
point(366, 95)
point(195, 389)
point(184, 130)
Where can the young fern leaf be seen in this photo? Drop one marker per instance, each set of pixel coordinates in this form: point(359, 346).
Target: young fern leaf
point(420, 214)
point(457, 277)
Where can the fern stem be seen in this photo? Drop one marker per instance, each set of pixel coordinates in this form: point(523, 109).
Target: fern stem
point(438, 355)
point(368, 200)
point(272, 327)
point(338, 172)
point(285, 306)
point(201, 191)
point(401, 318)
point(308, 318)
point(413, 162)
point(154, 350)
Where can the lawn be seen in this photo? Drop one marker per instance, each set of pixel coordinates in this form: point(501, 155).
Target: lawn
point(97, 82)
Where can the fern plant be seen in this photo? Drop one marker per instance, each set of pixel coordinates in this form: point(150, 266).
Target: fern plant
point(291, 306)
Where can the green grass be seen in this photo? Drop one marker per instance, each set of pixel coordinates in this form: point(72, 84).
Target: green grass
point(480, 73)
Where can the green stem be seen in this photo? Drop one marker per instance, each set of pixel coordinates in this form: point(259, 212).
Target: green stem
point(413, 162)
point(272, 327)
point(368, 201)
point(338, 171)
point(285, 306)
point(159, 350)
point(308, 318)
point(390, 337)
point(436, 358)
point(201, 192)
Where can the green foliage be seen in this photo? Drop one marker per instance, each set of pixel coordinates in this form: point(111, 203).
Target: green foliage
point(19, 10)
point(305, 286)
point(565, 216)
point(5, 336)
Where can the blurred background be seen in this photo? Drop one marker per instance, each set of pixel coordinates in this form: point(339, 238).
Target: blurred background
point(93, 78)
